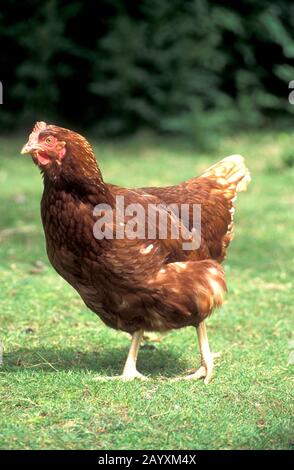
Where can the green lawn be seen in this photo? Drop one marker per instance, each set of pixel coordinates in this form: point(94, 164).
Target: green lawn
point(54, 347)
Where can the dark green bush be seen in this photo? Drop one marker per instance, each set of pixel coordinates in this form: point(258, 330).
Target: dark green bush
point(172, 66)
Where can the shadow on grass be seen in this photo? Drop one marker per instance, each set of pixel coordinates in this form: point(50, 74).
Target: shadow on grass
point(107, 361)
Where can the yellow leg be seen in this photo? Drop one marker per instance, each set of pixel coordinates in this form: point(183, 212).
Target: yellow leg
point(130, 371)
point(206, 368)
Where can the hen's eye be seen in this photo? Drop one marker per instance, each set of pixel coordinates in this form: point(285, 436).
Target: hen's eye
point(48, 140)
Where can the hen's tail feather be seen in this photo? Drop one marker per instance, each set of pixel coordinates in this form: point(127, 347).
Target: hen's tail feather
point(231, 173)
point(232, 176)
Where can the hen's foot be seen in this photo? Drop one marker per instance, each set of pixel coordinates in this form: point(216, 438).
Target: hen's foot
point(205, 370)
point(131, 375)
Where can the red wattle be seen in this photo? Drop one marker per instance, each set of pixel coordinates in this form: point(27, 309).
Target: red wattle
point(43, 158)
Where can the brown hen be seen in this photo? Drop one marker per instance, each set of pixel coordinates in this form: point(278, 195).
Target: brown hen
point(137, 283)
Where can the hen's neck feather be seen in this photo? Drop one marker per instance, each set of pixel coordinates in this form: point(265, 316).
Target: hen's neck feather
point(80, 175)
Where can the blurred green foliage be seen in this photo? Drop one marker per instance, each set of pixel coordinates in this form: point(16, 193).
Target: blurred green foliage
point(173, 66)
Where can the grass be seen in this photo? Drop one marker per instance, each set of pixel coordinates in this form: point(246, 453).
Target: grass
point(54, 347)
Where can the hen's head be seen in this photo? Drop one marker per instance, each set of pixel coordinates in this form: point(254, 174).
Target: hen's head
point(61, 153)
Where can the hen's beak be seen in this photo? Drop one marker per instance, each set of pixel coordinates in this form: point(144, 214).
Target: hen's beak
point(28, 148)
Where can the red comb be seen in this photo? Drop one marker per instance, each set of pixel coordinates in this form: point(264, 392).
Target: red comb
point(40, 126)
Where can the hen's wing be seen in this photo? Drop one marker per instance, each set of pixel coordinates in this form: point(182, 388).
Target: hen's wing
point(215, 191)
point(163, 237)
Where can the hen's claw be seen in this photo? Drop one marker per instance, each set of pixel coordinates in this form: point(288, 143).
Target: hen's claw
point(205, 370)
point(133, 375)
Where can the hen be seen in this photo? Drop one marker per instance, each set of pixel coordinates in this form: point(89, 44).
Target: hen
point(138, 282)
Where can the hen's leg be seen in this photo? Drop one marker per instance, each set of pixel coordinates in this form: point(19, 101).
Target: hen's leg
point(130, 371)
point(206, 368)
